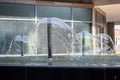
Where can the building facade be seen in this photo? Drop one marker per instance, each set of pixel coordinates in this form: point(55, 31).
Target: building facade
point(18, 20)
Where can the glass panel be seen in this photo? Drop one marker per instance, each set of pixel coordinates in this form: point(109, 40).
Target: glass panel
point(68, 23)
point(24, 10)
point(82, 27)
point(40, 40)
point(58, 34)
point(82, 14)
point(22, 37)
point(6, 9)
point(10, 35)
point(61, 38)
point(99, 18)
point(17, 10)
point(84, 36)
point(7, 33)
point(104, 20)
point(51, 11)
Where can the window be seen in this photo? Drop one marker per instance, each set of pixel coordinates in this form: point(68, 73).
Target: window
point(54, 11)
point(82, 27)
point(18, 10)
point(100, 18)
point(17, 24)
point(82, 14)
point(10, 32)
point(83, 32)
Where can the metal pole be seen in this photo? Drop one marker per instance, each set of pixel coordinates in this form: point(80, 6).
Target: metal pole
point(49, 35)
point(49, 40)
point(83, 44)
point(22, 53)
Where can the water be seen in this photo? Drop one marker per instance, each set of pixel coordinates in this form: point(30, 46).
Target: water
point(60, 37)
point(105, 44)
point(18, 45)
point(64, 41)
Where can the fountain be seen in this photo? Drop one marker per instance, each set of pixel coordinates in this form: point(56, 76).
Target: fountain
point(64, 41)
point(18, 45)
point(105, 44)
point(52, 38)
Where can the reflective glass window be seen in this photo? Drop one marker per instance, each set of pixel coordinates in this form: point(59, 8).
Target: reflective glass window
point(82, 14)
point(82, 27)
point(54, 11)
point(21, 10)
point(11, 33)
